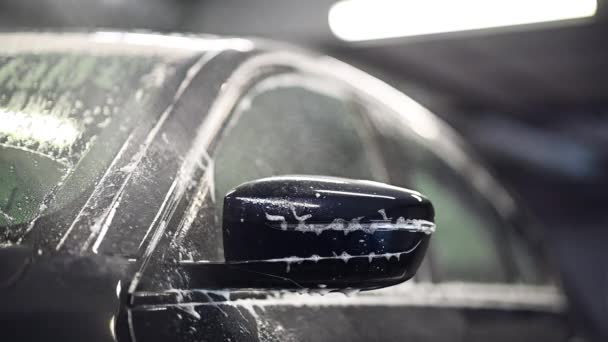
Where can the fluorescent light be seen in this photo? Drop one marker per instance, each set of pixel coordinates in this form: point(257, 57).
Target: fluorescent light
point(357, 20)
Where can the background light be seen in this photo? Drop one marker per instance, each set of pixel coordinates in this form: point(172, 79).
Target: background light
point(357, 20)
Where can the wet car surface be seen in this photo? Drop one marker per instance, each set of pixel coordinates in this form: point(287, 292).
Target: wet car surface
point(117, 150)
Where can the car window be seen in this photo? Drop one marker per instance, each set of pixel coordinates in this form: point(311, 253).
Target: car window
point(473, 242)
point(288, 124)
point(467, 246)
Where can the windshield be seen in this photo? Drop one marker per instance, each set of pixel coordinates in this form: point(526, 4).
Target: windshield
point(62, 120)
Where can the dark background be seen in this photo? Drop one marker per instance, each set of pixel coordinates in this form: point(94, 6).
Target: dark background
point(531, 101)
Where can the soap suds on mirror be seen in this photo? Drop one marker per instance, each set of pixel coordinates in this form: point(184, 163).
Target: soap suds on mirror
point(347, 226)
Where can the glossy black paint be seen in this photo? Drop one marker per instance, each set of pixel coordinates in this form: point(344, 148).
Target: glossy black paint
point(61, 297)
point(326, 231)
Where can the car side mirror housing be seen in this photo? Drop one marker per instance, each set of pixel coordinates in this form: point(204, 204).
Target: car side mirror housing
point(316, 232)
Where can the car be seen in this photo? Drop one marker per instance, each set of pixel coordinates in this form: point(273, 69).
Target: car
point(199, 188)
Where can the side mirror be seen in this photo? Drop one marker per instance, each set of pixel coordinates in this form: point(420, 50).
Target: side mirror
point(327, 232)
point(313, 232)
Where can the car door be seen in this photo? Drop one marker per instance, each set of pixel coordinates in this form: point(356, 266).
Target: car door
point(277, 117)
point(299, 123)
point(285, 121)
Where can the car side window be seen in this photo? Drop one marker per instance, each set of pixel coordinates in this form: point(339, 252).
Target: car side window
point(292, 124)
point(289, 124)
point(467, 247)
point(473, 243)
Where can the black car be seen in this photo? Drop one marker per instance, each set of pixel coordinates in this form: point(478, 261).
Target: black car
point(191, 188)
